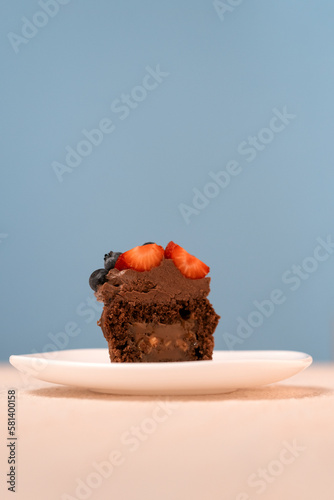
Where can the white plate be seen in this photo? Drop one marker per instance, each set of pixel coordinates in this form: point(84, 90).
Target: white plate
point(228, 371)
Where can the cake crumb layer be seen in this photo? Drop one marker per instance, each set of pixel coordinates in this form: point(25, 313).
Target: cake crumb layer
point(146, 332)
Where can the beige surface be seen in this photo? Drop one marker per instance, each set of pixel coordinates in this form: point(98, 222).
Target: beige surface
point(272, 443)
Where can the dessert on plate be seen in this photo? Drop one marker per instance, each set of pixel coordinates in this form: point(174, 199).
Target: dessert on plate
point(155, 305)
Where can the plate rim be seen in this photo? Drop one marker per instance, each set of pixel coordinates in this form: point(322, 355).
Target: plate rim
point(168, 378)
point(303, 357)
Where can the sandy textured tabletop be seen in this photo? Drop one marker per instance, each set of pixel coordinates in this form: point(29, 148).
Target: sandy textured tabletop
point(271, 443)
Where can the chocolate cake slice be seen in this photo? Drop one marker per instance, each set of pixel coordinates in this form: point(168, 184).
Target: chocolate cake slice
point(158, 314)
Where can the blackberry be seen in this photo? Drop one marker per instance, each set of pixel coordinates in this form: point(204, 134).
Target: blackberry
point(110, 260)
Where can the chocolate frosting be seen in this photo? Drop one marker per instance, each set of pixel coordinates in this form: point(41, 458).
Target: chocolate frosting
point(161, 284)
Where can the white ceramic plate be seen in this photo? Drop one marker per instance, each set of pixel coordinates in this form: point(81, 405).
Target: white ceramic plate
point(228, 371)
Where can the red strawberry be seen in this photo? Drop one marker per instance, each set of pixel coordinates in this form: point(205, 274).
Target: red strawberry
point(169, 249)
point(141, 258)
point(189, 265)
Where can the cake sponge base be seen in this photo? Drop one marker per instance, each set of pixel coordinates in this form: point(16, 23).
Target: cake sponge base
point(181, 331)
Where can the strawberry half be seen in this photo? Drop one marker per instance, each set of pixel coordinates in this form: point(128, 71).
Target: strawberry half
point(141, 258)
point(189, 265)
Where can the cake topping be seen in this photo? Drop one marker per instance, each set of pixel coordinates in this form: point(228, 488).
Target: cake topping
point(174, 264)
point(141, 258)
point(110, 260)
point(163, 283)
point(188, 264)
point(97, 278)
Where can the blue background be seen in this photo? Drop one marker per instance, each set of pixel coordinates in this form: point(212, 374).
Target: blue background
point(225, 76)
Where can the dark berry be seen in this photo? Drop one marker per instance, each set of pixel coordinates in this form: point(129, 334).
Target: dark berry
point(110, 260)
point(148, 243)
point(97, 278)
